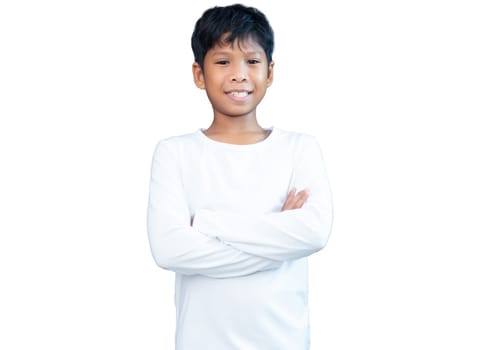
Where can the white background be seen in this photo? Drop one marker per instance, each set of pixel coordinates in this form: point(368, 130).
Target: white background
point(398, 93)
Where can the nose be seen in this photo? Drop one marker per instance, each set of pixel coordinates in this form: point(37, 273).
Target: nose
point(239, 72)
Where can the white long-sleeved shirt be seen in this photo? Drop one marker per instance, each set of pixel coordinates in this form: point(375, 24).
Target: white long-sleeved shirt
point(214, 217)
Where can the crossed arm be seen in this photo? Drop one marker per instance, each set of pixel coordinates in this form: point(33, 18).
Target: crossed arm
point(221, 244)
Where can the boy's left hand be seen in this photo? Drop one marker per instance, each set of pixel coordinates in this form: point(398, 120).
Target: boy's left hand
point(295, 199)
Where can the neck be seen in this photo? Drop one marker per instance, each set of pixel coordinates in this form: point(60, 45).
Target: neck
point(234, 125)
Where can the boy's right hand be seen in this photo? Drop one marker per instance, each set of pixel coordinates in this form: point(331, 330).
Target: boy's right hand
point(295, 199)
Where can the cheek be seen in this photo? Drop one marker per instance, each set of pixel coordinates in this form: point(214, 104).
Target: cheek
point(214, 80)
point(260, 75)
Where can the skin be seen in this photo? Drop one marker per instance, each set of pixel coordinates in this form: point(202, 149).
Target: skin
point(236, 77)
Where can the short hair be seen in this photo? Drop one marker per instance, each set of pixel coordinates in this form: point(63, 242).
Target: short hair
point(239, 21)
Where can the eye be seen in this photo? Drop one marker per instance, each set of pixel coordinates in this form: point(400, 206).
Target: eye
point(253, 61)
point(222, 62)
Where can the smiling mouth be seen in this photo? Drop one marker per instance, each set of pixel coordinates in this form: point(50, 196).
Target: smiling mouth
point(239, 94)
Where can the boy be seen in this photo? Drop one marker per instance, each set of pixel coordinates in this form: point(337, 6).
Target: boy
point(224, 212)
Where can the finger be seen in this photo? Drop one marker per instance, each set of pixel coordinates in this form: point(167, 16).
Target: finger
point(301, 198)
point(290, 200)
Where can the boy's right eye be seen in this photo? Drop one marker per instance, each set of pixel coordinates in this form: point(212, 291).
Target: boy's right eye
point(222, 62)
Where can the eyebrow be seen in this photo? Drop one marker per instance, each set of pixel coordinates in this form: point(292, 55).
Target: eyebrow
point(226, 53)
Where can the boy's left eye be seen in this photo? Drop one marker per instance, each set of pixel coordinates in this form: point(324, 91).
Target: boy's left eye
point(253, 61)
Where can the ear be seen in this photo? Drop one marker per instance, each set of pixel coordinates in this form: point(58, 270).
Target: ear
point(198, 75)
point(270, 74)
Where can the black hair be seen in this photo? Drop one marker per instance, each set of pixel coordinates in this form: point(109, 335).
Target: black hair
point(239, 21)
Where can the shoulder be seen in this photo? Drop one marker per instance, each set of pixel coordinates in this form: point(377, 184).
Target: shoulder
point(175, 144)
point(302, 146)
point(297, 139)
point(178, 139)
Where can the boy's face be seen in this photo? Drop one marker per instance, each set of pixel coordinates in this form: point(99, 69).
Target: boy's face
point(235, 77)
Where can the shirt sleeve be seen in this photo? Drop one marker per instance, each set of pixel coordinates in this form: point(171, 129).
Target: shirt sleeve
point(285, 235)
point(175, 244)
